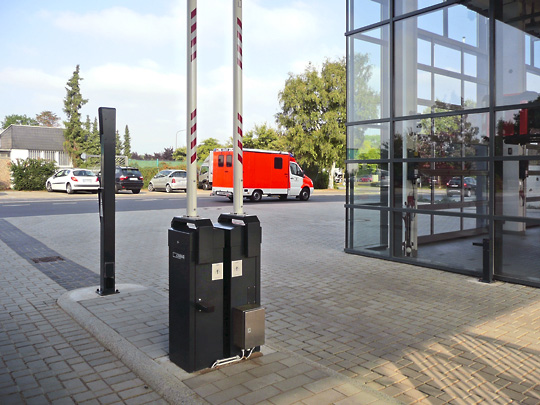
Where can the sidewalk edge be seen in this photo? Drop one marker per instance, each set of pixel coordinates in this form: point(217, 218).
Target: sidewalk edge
point(169, 387)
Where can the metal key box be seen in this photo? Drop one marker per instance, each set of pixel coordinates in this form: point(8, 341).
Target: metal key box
point(195, 293)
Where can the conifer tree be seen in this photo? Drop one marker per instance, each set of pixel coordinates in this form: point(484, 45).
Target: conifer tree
point(118, 144)
point(74, 132)
point(127, 142)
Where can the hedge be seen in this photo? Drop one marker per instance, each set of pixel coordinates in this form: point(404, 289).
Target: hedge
point(31, 174)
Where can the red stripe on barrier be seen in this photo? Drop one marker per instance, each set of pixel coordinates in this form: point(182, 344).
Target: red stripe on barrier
point(193, 143)
point(193, 157)
point(193, 113)
point(193, 128)
point(239, 36)
point(193, 27)
point(194, 56)
point(193, 13)
point(240, 145)
point(194, 42)
point(240, 158)
point(239, 22)
point(239, 49)
point(240, 118)
point(240, 131)
point(240, 63)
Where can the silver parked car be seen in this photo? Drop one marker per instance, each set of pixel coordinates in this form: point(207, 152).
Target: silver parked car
point(169, 180)
point(72, 180)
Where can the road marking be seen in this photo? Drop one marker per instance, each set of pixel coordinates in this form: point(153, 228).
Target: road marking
point(64, 203)
point(15, 205)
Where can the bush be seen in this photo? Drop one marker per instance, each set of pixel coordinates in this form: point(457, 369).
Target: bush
point(31, 174)
point(148, 173)
point(318, 176)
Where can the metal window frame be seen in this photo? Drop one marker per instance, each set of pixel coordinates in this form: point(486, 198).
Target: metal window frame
point(491, 159)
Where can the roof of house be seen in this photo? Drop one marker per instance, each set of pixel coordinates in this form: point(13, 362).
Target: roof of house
point(32, 138)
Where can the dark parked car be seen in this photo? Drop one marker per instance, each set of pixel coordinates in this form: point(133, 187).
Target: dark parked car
point(454, 186)
point(128, 178)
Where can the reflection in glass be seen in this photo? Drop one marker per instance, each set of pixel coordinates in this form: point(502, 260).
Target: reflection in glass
point(366, 12)
point(460, 23)
point(368, 231)
point(517, 189)
point(516, 252)
point(456, 69)
point(443, 186)
point(518, 132)
point(407, 6)
point(368, 184)
point(518, 80)
point(369, 76)
point(368, 142)
point(460, 135)
point(448, 241)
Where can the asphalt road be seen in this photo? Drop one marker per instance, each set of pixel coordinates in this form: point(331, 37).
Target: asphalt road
point(60, 203)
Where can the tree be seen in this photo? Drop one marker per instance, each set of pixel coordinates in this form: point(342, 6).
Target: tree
point(119, 145)
point(92, 145)
point(96, 139)
point(16, 119)
point(264, 137)
point(167, 154)
point(74, 133)
point(204, 149)
point(48, 119)
point(364, 106)
point(180, 153)
point(127, 142)
point(313, 113)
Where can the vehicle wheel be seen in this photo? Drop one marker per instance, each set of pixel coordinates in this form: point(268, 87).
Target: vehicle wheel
point(283, 197)
point(256, 196)
point(116, 189)
point(49, 187)
point(168, 188)
point(151, 187)
point(468, 192)
point(135, 191)
point(206, 186)
point(304, 194)
point(69, 189)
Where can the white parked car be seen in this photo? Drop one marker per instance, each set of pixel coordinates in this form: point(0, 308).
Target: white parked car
point(72, 180)
point(169, 180)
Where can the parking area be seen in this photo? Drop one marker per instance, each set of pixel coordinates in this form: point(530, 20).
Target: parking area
point(408, 333)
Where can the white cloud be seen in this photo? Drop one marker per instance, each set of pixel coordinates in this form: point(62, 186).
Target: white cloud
point(120, 23)
point(133, 79)
point(31, 78)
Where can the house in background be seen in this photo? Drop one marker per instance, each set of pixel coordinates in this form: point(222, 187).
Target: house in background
point(24, 141)
point(36, 142)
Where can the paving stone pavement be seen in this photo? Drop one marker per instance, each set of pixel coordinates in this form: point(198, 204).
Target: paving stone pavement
point(340, 328)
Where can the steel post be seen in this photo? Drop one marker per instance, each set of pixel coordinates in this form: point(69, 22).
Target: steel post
point(107, 134)
point(238, 165)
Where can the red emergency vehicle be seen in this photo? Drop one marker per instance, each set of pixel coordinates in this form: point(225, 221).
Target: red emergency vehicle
point(266, 172)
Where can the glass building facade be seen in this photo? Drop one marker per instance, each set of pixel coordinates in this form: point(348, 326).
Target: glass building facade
point(443, 135)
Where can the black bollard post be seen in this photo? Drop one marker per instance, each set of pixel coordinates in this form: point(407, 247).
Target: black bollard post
point(106, 195)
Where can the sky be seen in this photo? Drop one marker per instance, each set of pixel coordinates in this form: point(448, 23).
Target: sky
point(132, 57)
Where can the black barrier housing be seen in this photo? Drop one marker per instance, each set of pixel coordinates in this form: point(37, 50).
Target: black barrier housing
point(195, 293)
point(242, 270)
